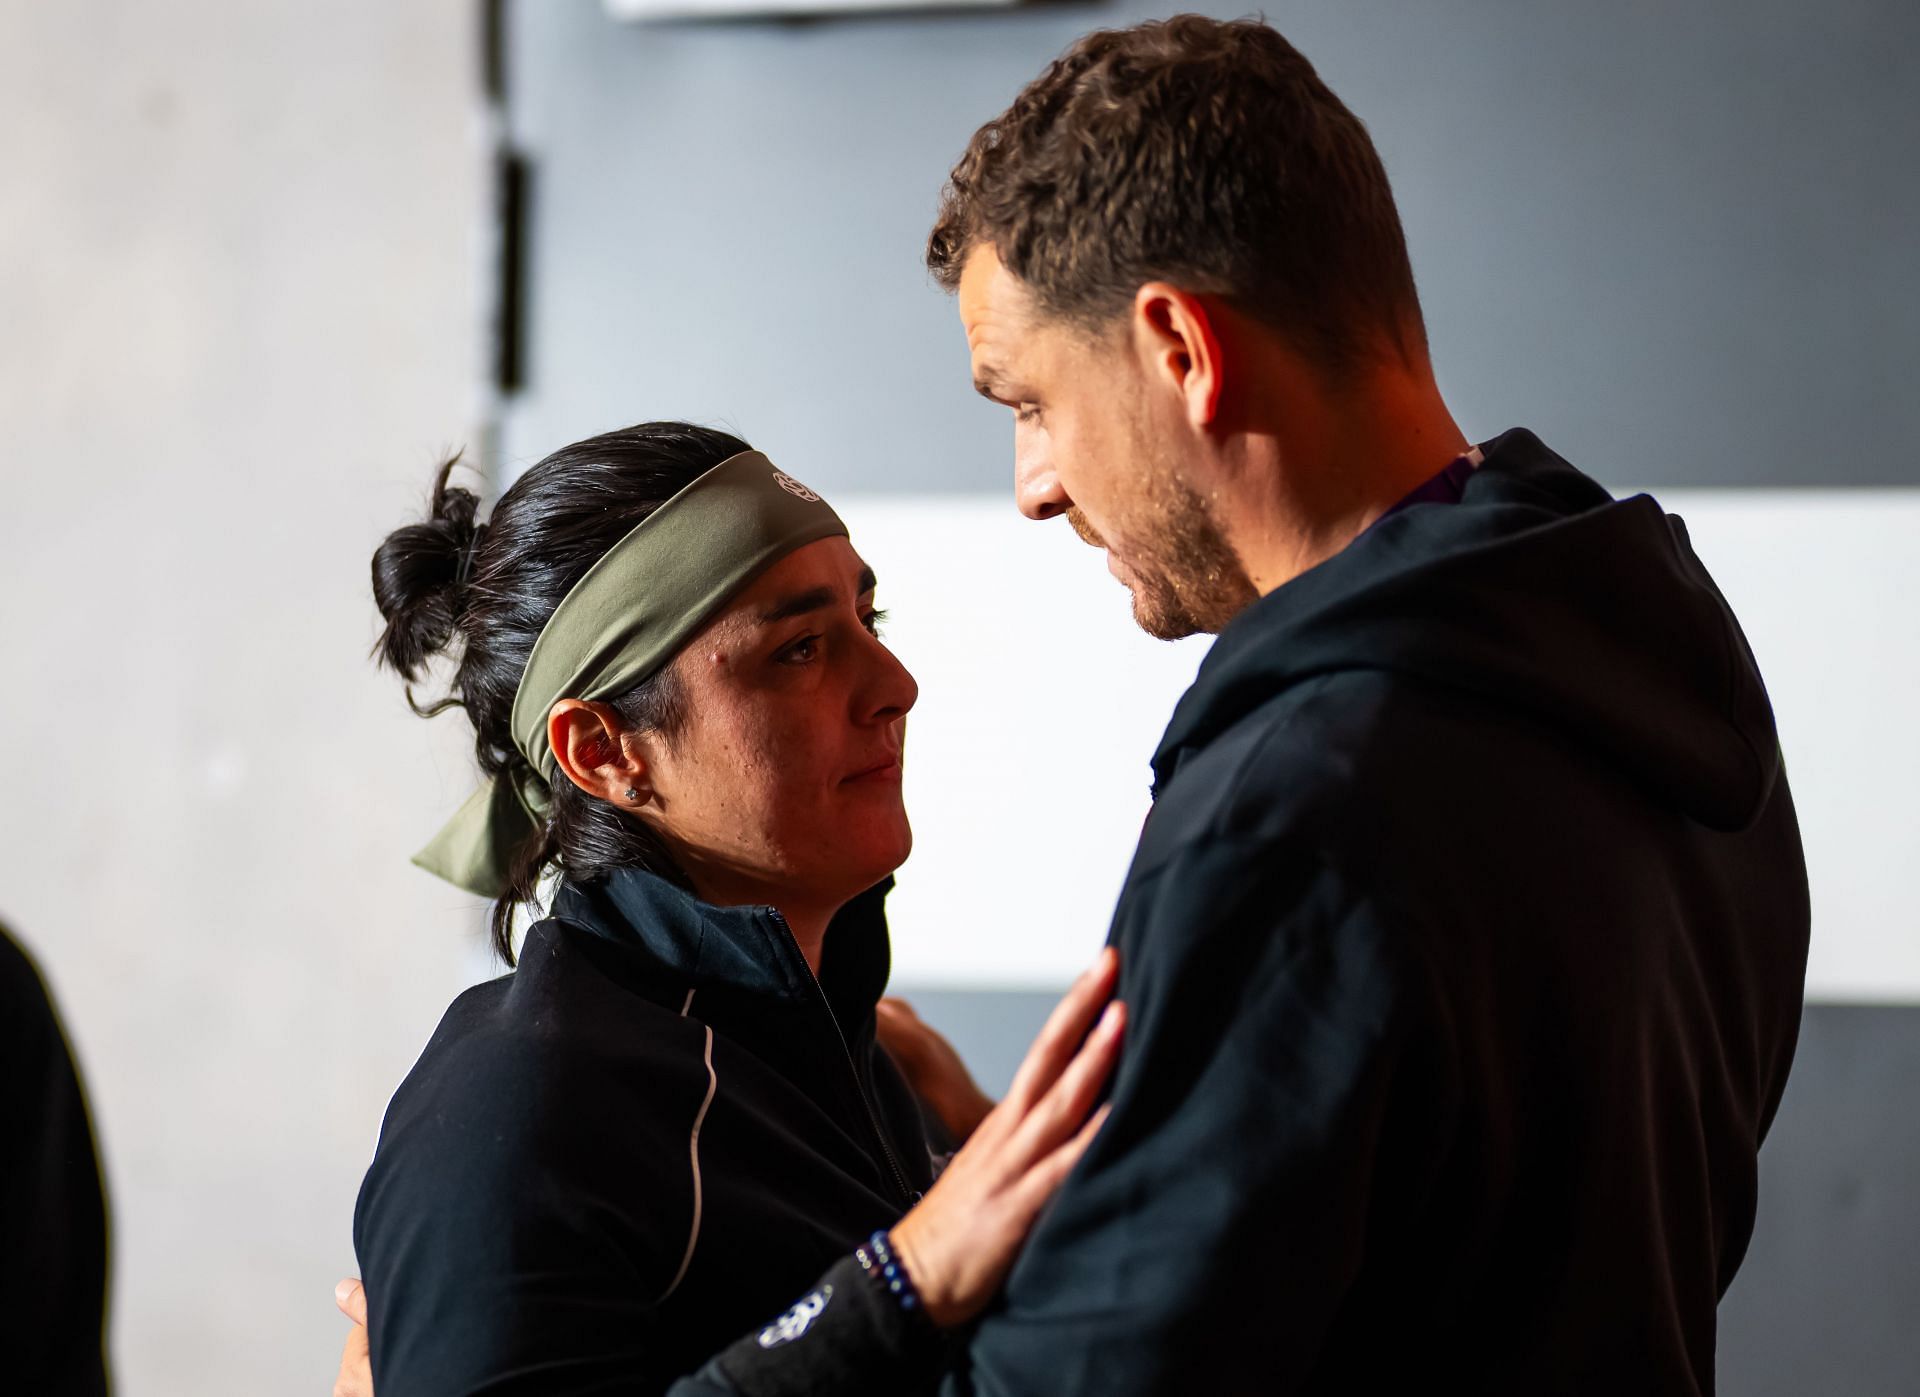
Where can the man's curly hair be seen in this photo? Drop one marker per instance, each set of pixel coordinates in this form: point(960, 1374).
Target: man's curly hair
point(1204, 153)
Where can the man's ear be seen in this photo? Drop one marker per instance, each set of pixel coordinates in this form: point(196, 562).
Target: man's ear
point(597, 753)
point(1175, 334)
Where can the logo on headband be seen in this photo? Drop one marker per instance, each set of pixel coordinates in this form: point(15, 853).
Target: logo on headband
point(794, 487)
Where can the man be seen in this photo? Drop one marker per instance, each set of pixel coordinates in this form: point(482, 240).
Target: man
point(1464, 948)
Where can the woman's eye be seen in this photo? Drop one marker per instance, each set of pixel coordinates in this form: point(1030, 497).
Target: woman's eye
point(874, 620)
point(1027, 412)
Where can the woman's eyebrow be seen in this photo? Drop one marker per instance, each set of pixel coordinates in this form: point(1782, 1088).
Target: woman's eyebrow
point(813, 599)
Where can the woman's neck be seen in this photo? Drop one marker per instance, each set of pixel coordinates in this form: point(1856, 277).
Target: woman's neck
point(804, 919)
point(809, 933)
point(723, 885)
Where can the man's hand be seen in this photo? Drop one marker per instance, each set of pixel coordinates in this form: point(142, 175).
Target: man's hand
point(356, 1364)
point(932, 1068)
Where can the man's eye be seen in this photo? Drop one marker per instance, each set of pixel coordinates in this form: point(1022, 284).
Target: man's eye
point(801, 651)
point(874, 620)
point(1026, 412)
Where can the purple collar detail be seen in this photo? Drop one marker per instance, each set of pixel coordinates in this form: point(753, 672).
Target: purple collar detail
point(1445, 488)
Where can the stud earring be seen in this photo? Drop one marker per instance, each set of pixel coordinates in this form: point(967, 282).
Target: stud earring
point(633, 793)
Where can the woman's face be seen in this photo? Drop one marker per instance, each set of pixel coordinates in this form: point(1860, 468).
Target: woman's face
point(784, 780)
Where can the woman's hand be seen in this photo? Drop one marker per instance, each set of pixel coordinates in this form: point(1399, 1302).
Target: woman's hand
point(356, 1366)
point(959, 1241)
point(932, 1068)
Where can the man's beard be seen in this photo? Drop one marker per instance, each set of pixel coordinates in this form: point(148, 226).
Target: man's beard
point(1184, 578)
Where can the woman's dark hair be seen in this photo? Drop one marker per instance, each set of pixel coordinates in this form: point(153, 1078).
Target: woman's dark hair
point(483, 591)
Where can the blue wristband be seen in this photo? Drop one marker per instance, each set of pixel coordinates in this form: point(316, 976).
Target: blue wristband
point(876, 1258)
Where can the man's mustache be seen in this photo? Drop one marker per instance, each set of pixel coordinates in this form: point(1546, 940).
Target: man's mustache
point(1088, 534)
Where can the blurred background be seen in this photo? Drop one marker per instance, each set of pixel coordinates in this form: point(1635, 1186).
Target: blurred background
point(261, 263)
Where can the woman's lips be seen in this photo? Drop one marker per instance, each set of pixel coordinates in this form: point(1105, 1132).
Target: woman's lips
point(888, 770)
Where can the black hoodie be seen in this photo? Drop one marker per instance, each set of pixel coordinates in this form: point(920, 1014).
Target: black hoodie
point(1464, 952)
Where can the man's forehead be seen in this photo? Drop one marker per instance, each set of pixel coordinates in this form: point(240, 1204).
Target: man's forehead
point(994, 305)
point(995, 313)
point(978, 275)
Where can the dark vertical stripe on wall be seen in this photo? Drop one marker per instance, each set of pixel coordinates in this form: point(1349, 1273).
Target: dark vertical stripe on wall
point(493, 50)
point(513, 180)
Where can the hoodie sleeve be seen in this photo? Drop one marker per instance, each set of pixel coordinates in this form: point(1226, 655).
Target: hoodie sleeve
point(844, 1338)
point(1280, 1059)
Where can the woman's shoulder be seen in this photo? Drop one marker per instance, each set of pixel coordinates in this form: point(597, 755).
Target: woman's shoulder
point(541, 1110)
point(552, 1067)
point(529, 1199)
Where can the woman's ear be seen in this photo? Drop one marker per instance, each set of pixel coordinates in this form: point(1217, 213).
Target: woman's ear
point(596, 752)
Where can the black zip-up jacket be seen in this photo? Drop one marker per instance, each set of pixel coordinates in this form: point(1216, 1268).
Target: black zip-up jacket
point(651, 1136)
point(1464, 952)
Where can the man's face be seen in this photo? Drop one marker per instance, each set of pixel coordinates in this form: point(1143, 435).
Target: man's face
point(1099, 438)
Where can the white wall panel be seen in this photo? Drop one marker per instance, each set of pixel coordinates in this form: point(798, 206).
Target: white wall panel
point(1827, 586)
point(1041, 704)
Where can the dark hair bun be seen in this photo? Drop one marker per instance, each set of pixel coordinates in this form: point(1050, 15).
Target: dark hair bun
point(420, 577)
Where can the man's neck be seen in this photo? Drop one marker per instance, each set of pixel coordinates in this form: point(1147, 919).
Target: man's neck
point(1304, 492)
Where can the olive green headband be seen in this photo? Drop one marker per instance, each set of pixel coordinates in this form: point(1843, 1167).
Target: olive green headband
point(622, 622)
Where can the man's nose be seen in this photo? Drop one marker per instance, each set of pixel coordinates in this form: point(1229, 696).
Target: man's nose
point(1036, 488)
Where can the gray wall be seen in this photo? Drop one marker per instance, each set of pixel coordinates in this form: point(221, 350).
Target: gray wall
point(1674, 239)
point(238, 318)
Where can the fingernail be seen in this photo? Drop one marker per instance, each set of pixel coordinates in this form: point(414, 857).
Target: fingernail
point(1110, 1016)
point(343, 1290)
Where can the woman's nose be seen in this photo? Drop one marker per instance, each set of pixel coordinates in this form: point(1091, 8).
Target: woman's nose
point(894, 690)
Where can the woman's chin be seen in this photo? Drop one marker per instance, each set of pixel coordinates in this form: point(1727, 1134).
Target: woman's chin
point(889, 854)
point(877, 853)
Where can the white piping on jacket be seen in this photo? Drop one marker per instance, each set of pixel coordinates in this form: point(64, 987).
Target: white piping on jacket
point(693, 1149)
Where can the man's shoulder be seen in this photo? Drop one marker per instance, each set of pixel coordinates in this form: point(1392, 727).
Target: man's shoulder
point(1314, 762)
point(1332, 811)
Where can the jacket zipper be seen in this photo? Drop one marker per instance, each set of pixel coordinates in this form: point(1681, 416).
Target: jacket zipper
point(859, 1085)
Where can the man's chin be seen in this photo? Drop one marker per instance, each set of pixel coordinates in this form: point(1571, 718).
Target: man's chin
point(1159, 617)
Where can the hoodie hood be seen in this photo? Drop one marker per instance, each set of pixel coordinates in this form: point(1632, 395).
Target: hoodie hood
point(1537, 592)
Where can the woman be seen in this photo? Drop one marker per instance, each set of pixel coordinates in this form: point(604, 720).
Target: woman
point(662, 1129)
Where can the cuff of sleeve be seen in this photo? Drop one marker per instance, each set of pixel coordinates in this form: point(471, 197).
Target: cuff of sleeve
point(846, 1336)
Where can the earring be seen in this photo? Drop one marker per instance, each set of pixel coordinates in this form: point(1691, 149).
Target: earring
point(633, 793)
